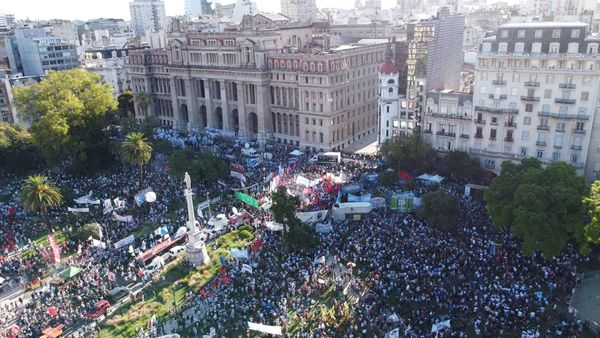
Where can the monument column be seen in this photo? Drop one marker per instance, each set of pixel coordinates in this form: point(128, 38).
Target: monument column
point(195, 248)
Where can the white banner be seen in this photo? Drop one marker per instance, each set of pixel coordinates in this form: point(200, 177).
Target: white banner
point(395, 333)
point(312, 216)
point(238, 175)
point(78, 209)
point(323, 228)
point(319, 260)
point(124, 242)
point(246, 268)
point(98, 244)
point(87, 199)
point(274, 330)
point(274, 226)
point(238, 253)
point(126, 219)
point(119, 203)
point(108, 208)
point(301, 180)
point(440, 326)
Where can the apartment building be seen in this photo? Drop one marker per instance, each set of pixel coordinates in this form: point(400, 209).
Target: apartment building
point(448, 120)
point(261, 85)
point(536, 94)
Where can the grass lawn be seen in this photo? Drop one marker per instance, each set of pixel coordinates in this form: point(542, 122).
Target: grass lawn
point(43, 240)
point(159, 296)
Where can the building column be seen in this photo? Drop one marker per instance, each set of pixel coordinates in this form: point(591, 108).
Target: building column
point(264, 124)
point(225, 106)
point(192, 103)
point(175, 105)
point(242, 110)
point(210, 114)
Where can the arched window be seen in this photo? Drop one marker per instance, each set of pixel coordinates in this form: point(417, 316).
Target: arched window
point(391, 81)
point(390, 90)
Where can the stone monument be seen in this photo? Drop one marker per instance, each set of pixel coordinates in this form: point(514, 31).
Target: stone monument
point(195, 248)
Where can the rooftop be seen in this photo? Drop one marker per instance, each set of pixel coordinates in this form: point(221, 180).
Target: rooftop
point(544, 24)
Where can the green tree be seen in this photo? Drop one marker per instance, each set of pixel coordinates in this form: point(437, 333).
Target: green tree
point(388, 178)
point(200, 166)
point(544, 208)
point(143, 100)
point(592, 205)
point(408, 153)
point(462, 166)
point(89, 230)
point(17, 152)
point(439, 210)
point(125, 104)
point(297, 236)
point(39, 194)
point(500, 196)
point(67, 112)
point(136, 150)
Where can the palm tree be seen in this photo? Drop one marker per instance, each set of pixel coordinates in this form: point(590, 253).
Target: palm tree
point(136, 150)
point(39, 194)
point(143, 99)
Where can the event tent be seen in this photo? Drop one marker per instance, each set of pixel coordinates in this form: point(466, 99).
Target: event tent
point(431, 178)
point(70, 272)
point(296, 152)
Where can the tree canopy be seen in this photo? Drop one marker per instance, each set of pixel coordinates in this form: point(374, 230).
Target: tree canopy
point(39, 194)
point(462, 166)
point(298, 236)
point(543, 207)
point(439, 210)
point(17, 152)
point(200, 166)
point(67, 111)
point(592, 205)
point(408, 153)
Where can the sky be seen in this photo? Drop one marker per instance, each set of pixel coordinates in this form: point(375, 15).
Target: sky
point(89, 9)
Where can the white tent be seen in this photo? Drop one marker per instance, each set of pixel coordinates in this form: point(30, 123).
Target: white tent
point(296, 153)
point(437, 179)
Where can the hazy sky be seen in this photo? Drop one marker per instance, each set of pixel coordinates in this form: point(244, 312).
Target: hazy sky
point(88, 9)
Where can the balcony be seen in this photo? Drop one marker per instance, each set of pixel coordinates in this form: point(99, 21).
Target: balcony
point(492, 138)
point(427, 131)
point(578, 131)
point(542, 127)
point(464, 136)
point(509, 139)
point(566, 86)
point(564, 101)
point(498, 97)
point(540, 143)
point(564, 116)
point(445, 133)
point(497, 110)
point(530, 98)
point(556, 146)
point(532, 84)
point(478, 135)
point(479, 121)
point(499, 82)
point(510, 124)
point(574, 147)
point(449, 116)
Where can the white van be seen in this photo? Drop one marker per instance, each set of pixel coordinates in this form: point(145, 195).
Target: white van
point(176, 250)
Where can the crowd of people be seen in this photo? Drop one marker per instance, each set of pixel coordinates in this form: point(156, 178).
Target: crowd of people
point(366, 277)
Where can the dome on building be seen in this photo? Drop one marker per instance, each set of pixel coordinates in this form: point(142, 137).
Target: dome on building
point(388, 68)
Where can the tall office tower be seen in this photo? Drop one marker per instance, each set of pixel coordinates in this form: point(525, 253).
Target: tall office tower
point(147, 15)
point(535, 94)
point(299, 10)
point(195, 8)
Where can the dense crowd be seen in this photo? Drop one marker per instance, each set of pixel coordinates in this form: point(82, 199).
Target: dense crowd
point(366, 277)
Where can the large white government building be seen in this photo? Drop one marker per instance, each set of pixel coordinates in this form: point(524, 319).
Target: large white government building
point(261, 85)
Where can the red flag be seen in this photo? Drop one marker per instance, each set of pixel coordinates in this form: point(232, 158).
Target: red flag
point(52, 311)
point(55, 247)
point(256, 245)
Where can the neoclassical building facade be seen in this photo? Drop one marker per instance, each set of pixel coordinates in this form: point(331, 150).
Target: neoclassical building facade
point(261, 85)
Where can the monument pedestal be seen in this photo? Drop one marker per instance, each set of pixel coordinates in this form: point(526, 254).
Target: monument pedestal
point(196, 250)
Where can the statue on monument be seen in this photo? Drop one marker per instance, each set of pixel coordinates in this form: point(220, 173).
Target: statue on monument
point(195, 248)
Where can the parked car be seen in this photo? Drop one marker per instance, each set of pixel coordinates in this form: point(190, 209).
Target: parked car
point(176, 250)
point(98, 309)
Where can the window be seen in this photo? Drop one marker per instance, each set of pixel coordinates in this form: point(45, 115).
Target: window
point(521, 33)
point(525, 135)
point(582, 111)
point(574, 158)
point(579, 126)
point(573, 48)
point(560, 126)
point(490, 163)
point(540, 154)
point(549, 78)
point(493, 134)
point(514, 91)
point(529, 107)
point(527, 120)
point(556, 33)
point(523, 151)
point(554, 47)
point(483, 76)
point(519, 47)
point(536, 47)
point(538, 33)
point(516, 77)
point(558, 139)
point(555, 156)
point(575, 33)
point(584, 96)
point(502, 47)
point(587, 81)
point(390, 90)
point(546, 108)
point(504, 34)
